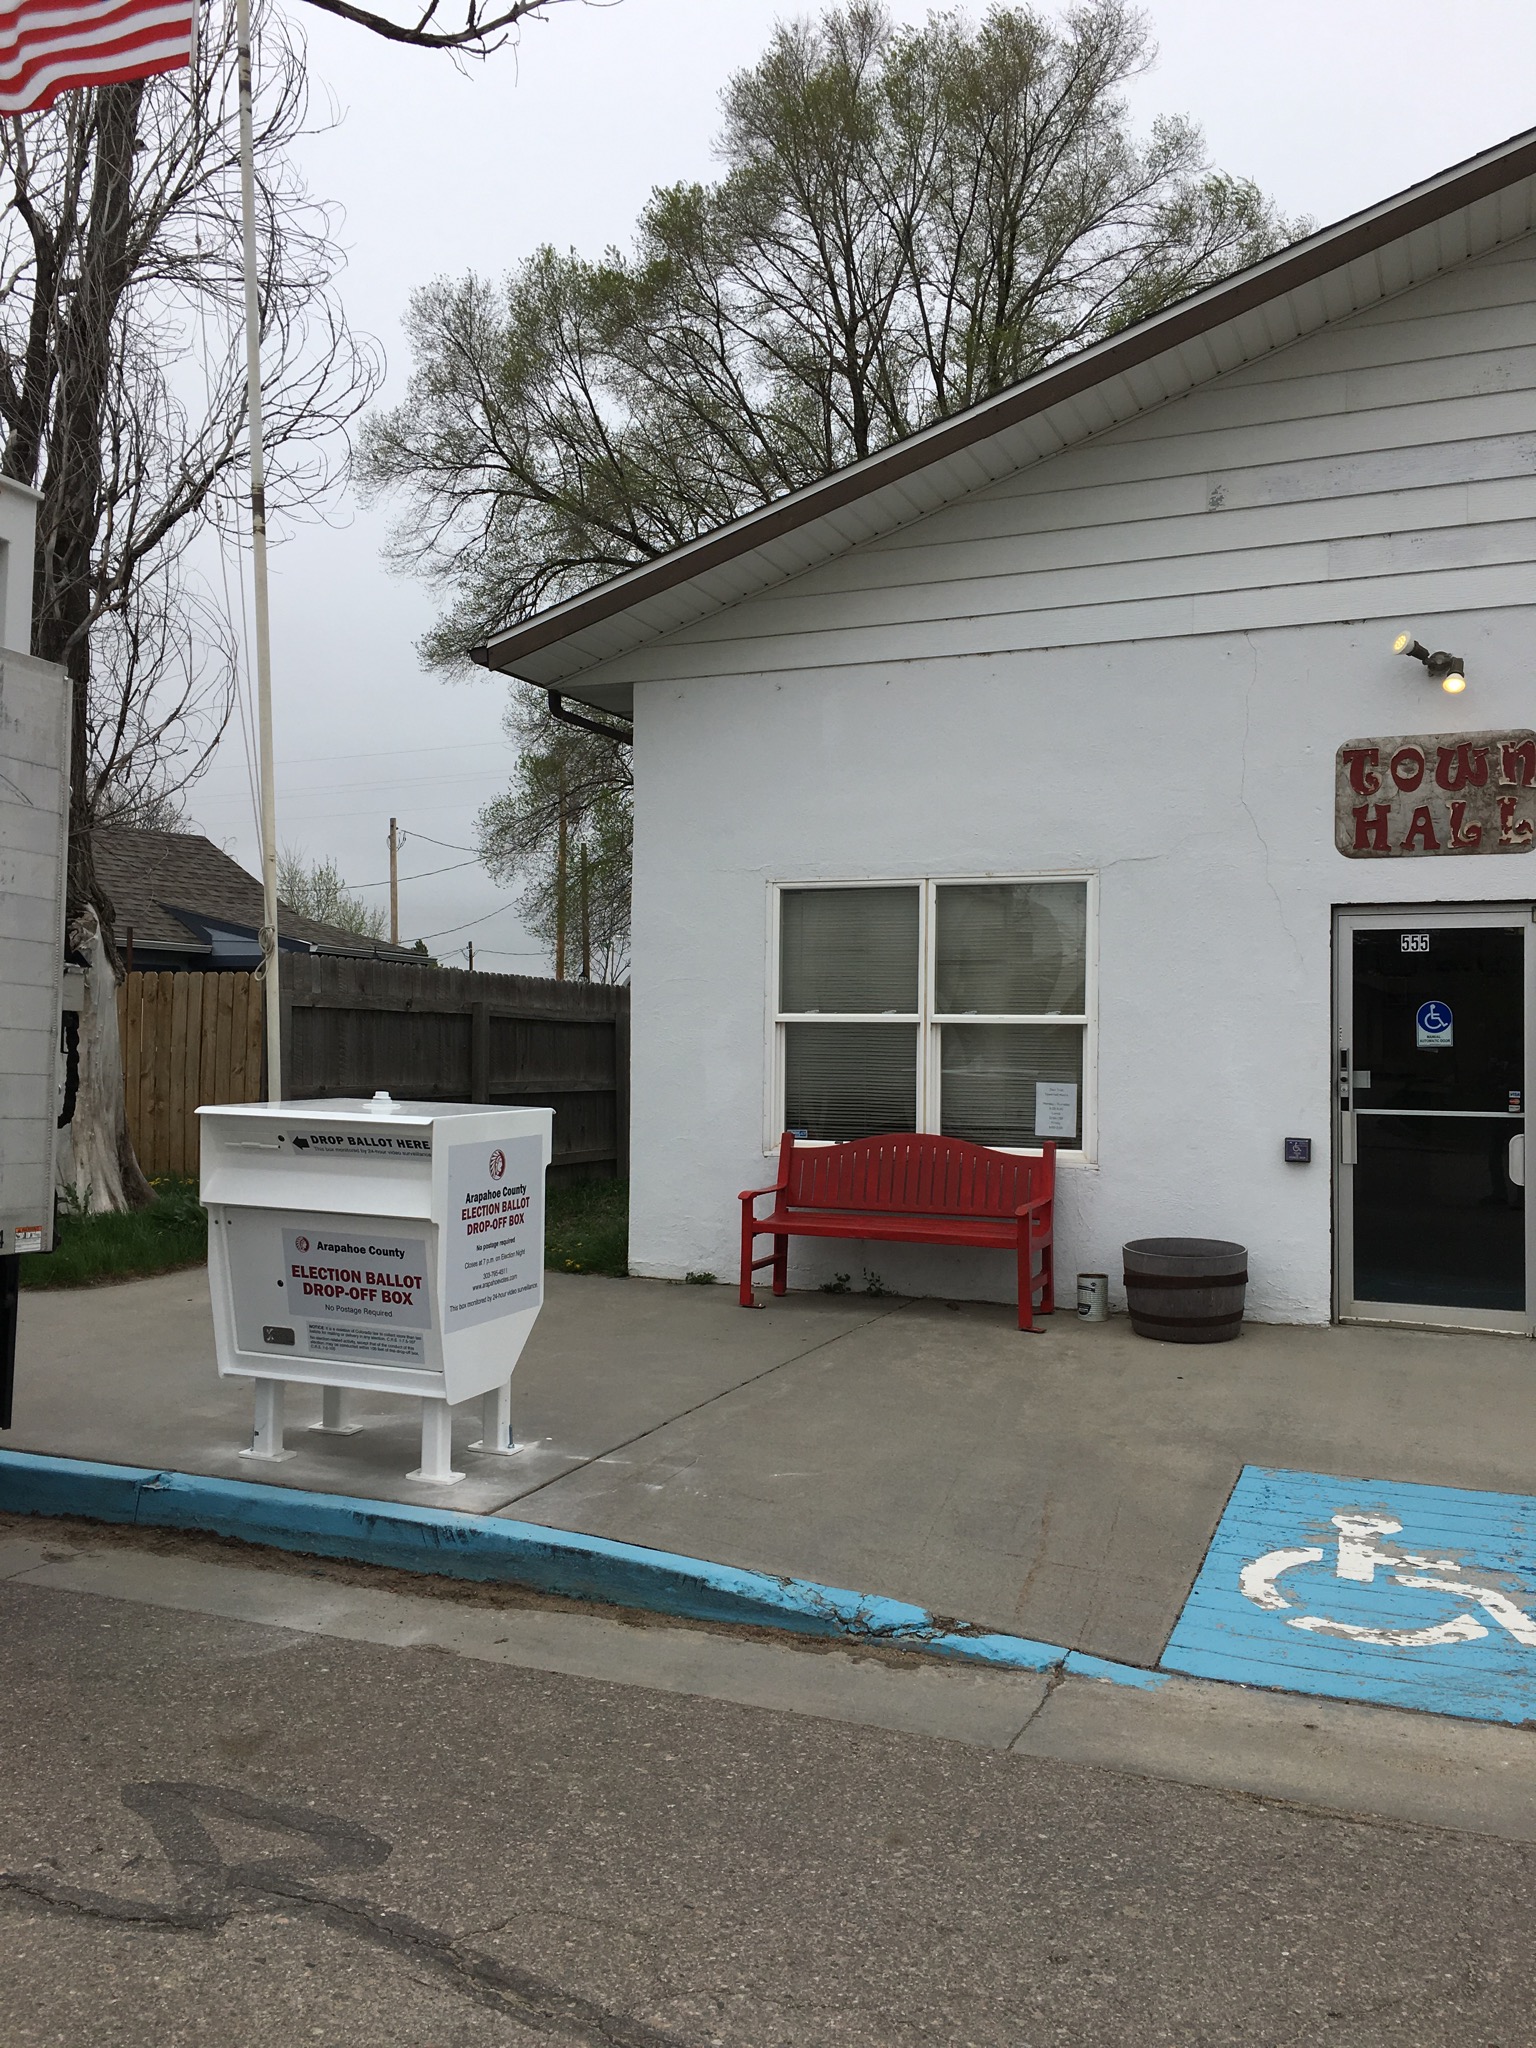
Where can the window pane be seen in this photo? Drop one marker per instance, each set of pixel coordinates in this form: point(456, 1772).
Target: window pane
point(988, 1074)
point(1012, 948)
point(850, 1080)
point(849, 950)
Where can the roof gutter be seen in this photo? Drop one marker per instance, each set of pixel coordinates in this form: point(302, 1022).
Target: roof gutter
point(1307, 261)
point(619, 729)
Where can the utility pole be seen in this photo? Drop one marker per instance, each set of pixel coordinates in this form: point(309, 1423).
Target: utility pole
point(586, 915)
point(394, 885)
point(269, 944)
point(471, 956)
point(561, 857)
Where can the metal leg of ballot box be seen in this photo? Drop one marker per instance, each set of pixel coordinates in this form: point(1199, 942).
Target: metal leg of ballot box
point(333, 1414)
point(436, 1467)
point(495, 1438)
point(267, 1433)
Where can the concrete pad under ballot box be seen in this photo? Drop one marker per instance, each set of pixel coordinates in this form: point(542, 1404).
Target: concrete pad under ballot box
point(376, 1246)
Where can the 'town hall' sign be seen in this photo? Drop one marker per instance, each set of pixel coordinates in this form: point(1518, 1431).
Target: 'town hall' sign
point(1437, 792)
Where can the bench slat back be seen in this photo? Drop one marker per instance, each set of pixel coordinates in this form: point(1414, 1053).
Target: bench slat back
point(906, 1174)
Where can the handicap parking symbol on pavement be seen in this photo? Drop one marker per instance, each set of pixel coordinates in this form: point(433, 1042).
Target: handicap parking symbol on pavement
point(1407, 1595)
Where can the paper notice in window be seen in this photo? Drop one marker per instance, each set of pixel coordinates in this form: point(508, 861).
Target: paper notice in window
point(495, 1231)
point(1055, 1109)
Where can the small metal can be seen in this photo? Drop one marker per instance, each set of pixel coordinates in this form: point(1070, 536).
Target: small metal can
point(1093, 1297)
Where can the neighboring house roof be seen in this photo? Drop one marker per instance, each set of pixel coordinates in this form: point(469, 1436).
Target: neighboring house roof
point(1340, 271)
point(182, 894)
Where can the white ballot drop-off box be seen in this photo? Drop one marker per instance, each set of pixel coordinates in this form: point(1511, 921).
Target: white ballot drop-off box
point(381, 1246)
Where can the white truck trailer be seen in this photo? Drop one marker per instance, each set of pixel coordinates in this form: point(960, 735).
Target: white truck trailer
point(34, 821)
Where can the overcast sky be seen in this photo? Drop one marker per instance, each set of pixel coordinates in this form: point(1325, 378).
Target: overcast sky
point(1329, 104)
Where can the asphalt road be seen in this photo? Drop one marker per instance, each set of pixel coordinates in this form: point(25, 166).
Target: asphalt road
point(216, 1832)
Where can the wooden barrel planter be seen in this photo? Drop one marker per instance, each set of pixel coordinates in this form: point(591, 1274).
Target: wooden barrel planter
point(1186, 1290)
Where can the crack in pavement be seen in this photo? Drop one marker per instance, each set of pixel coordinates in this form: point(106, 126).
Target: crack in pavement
point(1054, 1676)
point(655, 1428)
point(211, 1893)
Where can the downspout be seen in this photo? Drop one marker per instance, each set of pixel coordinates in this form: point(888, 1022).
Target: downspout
point(622, 731)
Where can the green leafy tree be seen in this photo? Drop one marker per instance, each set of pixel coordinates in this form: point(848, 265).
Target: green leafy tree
point(562, 834)
point(906, 221)
point(317, 889)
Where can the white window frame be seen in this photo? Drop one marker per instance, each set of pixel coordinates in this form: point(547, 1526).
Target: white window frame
point(927, 1022)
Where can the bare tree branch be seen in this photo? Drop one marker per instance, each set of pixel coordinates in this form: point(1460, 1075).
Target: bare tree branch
point(480, 31)
point(123, 401)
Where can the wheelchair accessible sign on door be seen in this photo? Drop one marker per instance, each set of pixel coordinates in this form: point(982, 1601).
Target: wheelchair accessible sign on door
point(1434, 1026)
point(1408, 1596)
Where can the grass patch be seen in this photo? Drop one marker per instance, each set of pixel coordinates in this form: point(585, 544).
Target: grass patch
point(171, 1232)
point(586, 1231)
point(586, 1226)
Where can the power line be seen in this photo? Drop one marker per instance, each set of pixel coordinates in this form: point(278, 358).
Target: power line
point(389, 753)
point(373, 812)
point(426, 875)
point(448, 930)
point(385, 753)
point(391, 782)
point(446, 843)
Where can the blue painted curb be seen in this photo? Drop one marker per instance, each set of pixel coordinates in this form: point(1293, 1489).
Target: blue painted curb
point(490, 1547)
point(1079, 1664)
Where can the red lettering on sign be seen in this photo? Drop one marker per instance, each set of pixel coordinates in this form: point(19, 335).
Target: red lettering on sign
point(1431, 793)
point(1513, 831)
point(1462, 767)
point(1371, 827)
point(1471, 836)
point(1362, 762)
point(1407, 767)
point(1421, 827)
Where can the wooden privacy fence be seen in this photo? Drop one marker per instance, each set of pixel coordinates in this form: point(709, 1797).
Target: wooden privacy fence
point(442, 1034)
point(427, 1034)
point(187, 1038)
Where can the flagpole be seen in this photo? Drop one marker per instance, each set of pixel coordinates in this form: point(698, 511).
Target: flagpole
point(269, 946)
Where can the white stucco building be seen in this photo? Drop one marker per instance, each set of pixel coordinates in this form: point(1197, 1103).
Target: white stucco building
point(1011, 755)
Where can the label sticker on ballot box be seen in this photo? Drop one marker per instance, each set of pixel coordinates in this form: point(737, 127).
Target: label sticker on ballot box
point(362, 1294)
point(495, 1231)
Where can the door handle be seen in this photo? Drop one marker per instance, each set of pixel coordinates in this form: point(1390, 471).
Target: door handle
point(1348, 1150)
point(1517, 1159)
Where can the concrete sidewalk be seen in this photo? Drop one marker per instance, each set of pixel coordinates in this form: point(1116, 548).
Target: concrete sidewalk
point(1063, 1486)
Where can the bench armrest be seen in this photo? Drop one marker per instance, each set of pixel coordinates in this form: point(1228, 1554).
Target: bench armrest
point(1039, 1202)
point(751, 1194)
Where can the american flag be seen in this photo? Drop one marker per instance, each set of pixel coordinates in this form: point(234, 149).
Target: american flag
point(52, 46)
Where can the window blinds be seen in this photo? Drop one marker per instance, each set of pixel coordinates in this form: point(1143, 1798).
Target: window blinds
point(849, 951)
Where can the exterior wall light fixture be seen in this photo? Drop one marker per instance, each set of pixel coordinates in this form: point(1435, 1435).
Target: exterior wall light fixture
point(1445, 669)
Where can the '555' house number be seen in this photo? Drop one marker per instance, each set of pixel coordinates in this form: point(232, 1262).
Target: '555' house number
point(1438, 792)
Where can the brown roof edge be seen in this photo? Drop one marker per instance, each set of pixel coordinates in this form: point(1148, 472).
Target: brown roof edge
point(1328, 250)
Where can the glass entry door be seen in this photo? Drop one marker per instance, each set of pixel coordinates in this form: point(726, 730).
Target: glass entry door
point(1430, 1145)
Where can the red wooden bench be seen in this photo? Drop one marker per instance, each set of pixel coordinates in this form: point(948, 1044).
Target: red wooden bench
point(913, 1190)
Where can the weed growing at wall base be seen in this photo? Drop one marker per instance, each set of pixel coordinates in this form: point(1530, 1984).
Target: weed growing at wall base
point(586, 1227)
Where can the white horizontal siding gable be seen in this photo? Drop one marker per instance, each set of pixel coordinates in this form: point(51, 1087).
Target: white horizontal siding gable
point(1384, 464)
